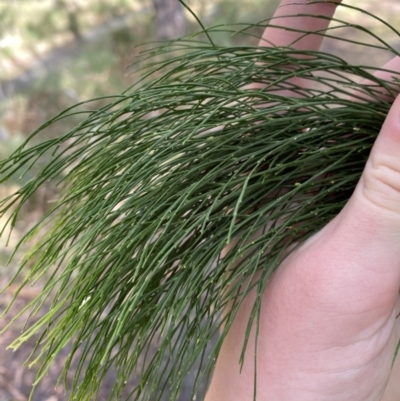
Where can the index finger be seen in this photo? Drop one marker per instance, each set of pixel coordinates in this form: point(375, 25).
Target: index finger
point(286, 17)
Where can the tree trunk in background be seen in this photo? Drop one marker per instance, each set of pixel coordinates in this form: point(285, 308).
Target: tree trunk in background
point(72, 14)
point(170, 19)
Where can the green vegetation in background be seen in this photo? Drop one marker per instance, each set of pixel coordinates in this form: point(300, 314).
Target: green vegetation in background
point(96, 69)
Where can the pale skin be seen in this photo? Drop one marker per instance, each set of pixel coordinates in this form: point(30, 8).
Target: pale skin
point(328, 327)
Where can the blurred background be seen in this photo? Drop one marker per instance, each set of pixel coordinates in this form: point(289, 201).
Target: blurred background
point(56, 53)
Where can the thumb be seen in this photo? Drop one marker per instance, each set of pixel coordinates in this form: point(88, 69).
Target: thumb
point(372, 214)
point(379, 186)
point(361, 246)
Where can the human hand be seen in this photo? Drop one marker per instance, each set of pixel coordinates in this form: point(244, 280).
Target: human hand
point(328, 328)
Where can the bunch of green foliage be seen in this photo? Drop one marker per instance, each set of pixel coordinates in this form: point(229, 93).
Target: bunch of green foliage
point(160, 180)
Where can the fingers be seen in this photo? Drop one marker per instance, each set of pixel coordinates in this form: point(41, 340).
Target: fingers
point(393, 67)
point(288, 38)
point(290, 32)
point(389, 72)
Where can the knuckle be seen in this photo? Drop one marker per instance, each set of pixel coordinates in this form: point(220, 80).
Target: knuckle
point(381, 182)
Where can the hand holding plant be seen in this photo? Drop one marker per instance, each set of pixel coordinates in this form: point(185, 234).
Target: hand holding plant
point(327, 328)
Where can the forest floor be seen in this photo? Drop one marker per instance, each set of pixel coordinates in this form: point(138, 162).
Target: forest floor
point(16, 379)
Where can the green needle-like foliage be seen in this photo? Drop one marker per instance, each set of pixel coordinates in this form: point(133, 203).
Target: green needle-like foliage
point(158, 182)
